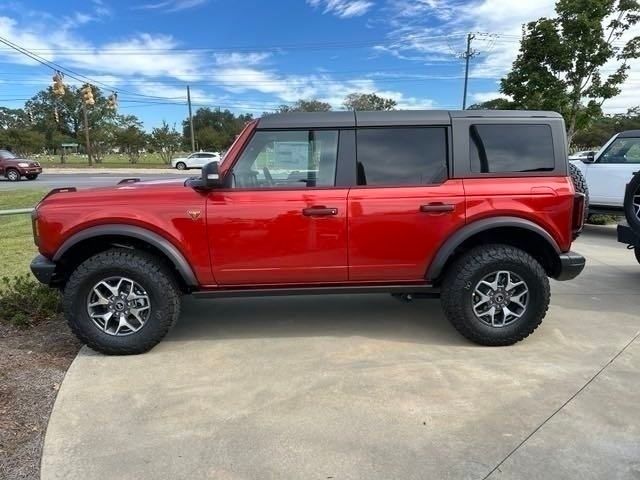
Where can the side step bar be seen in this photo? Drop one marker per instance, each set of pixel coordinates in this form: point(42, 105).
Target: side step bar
point(418, 291)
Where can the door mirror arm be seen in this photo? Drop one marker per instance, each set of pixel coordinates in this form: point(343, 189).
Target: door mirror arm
point(209, 179)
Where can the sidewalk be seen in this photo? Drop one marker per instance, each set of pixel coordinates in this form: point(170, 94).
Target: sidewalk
point(125, 170)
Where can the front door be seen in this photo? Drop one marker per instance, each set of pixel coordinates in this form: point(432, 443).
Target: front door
point(403, 207)
point(283, 221)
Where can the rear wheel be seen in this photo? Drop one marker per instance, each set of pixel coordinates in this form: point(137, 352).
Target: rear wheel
point(632, 203)
point(495, 294)
point(580, 185)
point(181, 166)
point(32, 176)
point(13, 175)
point(121, 302)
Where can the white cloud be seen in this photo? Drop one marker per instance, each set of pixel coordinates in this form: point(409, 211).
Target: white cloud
point(240, 59)
point(169, 6)
point(343, 8)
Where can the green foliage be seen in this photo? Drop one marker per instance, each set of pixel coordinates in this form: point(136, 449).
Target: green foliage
point(25, 302)
point(166, 140)
point(368, 101)
point(311, 105)
point(602, 219)
point(215, 130)
point(494, 104)
point(559, 66)
point(131, 140)
point(603, 128)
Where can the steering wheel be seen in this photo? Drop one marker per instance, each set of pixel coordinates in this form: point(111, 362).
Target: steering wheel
point(267, 176)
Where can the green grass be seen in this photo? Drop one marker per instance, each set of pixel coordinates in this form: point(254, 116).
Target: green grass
point(16, 237)
point(146, 160)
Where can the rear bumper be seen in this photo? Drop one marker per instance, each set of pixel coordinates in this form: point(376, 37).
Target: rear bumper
point(43, 269)
point(571, 265)
point(627, 236)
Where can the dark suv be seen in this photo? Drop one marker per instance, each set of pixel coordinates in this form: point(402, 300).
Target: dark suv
point(477, 208)
point(14, 168)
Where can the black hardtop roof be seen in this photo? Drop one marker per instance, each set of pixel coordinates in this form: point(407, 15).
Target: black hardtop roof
point(388, 118)
point(629, 134)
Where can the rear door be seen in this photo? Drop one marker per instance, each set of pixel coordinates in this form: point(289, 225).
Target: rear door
point(403, 207)
point(283, 221)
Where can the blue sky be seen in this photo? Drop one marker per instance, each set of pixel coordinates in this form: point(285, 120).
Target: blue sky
point(253, 55)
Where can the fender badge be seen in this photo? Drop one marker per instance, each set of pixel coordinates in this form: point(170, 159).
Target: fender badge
point(194, 214)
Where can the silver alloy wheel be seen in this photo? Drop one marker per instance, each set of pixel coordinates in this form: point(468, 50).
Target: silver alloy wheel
point(13, 175)
point(118, 306)
point(500, 298)
point(181, 166)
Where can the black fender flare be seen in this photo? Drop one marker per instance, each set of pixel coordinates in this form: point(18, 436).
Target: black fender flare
point(166, 247)
point(471, 229)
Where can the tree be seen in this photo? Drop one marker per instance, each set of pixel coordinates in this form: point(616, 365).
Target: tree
point(559, 66)
point(494, 104)
point(214, 129)
point(311, 105)
point(604, 127)
point(131, 139)
point(166, 140)
point(368, 101)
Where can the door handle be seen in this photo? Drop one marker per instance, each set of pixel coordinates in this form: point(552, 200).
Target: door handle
point(437, 207)
point(319, 211)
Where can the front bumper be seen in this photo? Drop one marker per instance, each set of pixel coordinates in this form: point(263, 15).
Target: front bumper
point(30, 171)
point(571, 265)
point(43, 269)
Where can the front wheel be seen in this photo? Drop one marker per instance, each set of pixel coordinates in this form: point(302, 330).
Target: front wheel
point(121, 302)
point(181, 166)
point(13, 175)
point(495, 294)
point(32, 176)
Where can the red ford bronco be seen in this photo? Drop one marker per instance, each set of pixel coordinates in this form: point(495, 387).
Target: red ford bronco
point(477, 208)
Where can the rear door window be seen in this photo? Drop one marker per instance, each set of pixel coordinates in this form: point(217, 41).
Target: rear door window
point(401, 156)
point(511, 148)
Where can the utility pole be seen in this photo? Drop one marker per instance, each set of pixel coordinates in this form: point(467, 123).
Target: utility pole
point(193, 135)
point(86, 131)
point(467, 56)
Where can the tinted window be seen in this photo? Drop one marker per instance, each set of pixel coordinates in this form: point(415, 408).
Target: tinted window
point(511, 148)
point(292, 159)
point(402, 156)
point(622, 150)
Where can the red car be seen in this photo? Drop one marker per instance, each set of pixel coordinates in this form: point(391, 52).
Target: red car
point(477, 208)
point(14, 168)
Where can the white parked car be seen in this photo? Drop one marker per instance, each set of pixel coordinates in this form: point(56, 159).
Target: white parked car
point(195, 160)
point(610, 169)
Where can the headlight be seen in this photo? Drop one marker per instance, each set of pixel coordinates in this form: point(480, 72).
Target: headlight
point(23, 164)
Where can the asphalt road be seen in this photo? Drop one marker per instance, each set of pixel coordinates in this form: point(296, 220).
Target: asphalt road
point(84, 180)
point(366, 387)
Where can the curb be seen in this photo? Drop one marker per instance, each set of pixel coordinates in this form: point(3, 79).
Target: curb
point(127, 171)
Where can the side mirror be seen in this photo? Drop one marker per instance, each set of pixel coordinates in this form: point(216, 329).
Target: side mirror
point(590, 158)
point(210, 177)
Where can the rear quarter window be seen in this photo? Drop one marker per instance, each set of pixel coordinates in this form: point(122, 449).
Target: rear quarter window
point(511, 148)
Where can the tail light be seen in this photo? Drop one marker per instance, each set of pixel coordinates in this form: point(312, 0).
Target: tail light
point(34, 226)
point(577, 219)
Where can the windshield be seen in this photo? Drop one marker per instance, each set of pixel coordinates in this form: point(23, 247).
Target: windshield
point(7, 154)
point(622, 150)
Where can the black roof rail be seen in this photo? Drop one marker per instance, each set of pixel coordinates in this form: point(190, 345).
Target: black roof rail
point(128, 180)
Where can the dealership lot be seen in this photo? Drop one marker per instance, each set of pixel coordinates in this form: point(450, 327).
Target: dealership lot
point(366, 387)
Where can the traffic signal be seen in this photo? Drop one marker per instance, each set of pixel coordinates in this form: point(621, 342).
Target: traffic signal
point(87, 95)
point(58, 84)
point(56, 116)
point(112, 101)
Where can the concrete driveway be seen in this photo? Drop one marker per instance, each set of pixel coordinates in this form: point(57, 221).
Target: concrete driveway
point(365, 387)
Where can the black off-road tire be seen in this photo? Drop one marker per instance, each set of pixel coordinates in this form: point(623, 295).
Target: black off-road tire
point(466, 272)
point(632, 196)
point(13, 175)
point(580, 185)
point(637, 252)
point(145, 269)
